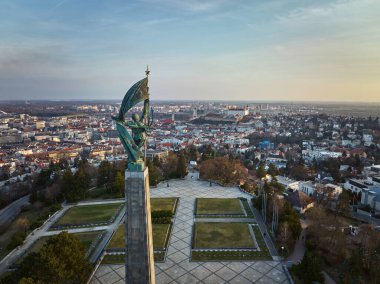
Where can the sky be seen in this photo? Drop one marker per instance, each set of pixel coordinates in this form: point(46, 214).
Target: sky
point(255, 50)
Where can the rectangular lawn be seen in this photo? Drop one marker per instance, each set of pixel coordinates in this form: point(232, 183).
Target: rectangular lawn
point(87, 214)
point(218, 206)
point(222, 235)
point(163, 204)
point(160, 233)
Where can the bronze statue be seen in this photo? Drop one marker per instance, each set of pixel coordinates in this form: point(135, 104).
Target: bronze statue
point(134, 139)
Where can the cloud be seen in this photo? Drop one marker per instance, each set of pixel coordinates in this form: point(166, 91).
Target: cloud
point(160, 21)
point(193, 6)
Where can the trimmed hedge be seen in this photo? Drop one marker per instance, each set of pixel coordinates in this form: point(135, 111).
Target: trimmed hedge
point(162, 213)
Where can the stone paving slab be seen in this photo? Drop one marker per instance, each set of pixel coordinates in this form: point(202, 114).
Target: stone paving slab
point(178, 268)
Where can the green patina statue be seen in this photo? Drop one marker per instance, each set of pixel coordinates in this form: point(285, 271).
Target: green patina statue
point(132, 133)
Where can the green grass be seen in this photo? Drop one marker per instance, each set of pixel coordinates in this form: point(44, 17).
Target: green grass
point(263, 254)
point(88, 214)
point(160, 233)
point(163, 204)
point(159, 256)
point(118, 238)
point(113, 259)
point(222, 235)
point(247, 208)
point(218, 206)
point(260, 239)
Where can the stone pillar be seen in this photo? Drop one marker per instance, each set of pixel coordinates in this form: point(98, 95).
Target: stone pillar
point(139, 239)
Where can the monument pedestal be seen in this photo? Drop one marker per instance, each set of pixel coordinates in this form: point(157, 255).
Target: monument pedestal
point(139, 239)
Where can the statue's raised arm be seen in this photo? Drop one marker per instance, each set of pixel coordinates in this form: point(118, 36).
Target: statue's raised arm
point(132, 133)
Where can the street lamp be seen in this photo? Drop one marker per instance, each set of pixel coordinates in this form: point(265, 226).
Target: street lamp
point(282, 251)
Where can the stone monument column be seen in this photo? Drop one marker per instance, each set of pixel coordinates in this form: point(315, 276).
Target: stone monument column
point(139, 266)
point(139, 241)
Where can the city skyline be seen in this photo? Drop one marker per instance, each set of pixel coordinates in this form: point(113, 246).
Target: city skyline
point(197, 50)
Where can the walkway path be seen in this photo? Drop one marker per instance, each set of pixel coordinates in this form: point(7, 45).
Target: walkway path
point(299, 248)
point(10, 212)
point(177, 267)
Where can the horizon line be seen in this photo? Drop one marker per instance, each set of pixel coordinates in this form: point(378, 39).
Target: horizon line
point(192, 100)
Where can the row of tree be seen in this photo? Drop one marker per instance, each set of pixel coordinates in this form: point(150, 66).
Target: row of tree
point(111, 176)
point(173, 166)
point(223, 170)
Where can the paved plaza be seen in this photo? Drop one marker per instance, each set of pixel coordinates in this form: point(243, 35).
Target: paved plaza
point(177, 267)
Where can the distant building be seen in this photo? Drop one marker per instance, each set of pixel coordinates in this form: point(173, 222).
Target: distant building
point(241, 111)
point(150, 154)
point(371, 197)
point(214, 117)
point(307, 187)
point(300, 201)
point(266, 145)
point(375, 168)
point(278, 162)
point(356, 185)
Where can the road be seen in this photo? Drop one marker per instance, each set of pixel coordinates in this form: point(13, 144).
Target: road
point(10, 212)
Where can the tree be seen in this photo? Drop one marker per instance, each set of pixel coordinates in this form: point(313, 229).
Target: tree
point(67, 184)
point(23, 224)
point(299, 171)
point(119, 183)
point(354, 268)
point(61, 260)
point(104, 173)
point(155, 175)
point(290, 216)
point(260, 172)
point(29, 280)
point(284, 235)
point(157, 161)
point(272, 170)
point(343, 204)
point(223, 170)
point(309, 269)
point(82, 184)
point(181, 166)
point(169, 167)
point(192, 153)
